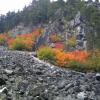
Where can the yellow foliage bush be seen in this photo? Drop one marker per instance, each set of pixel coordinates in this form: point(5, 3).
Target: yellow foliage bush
point(22, 42)
point(63, 58)
point(55, 38)
point(46, 53)
point(72, 42)
point(3, 39)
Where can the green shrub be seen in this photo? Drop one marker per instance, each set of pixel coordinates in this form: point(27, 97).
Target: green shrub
point(18, 46)
point(72, 42)
point(2, 41)
point(21, 43)
point(75, 65)
point(46, 53)
point(93, 63)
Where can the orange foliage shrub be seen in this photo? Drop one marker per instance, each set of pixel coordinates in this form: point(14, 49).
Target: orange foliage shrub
point(60, 58)
point(63, 58)
point(59, 46)
point(77, 60)
point(22, 42)
point(37, 32)
point(10, 42)
point(3, 39)
point(80, 56)
point(54, 38)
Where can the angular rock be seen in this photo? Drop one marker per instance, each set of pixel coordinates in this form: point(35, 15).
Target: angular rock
point(82, 96)
point(4, 90)
point(69, 97)
point(9, 72)
point(98, 76)
point(70, 85)
point(2, 82)
point(61, 84)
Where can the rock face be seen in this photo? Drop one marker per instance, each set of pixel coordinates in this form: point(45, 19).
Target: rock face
point(20, 29)
point(27, 78)
point(65, 29)
point(55, 26)
point(79, 27)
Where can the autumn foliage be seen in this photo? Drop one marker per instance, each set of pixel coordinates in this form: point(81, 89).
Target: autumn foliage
point(3, 39)
point(24, 41)
point(37, 32)
point(77, 60)
point(72, 42)
point(59, 46)
point(21, 42)
point(54, 38)
point(46, 53)
point(63, 58)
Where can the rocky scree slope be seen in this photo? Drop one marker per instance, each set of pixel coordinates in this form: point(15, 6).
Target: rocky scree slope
point(23, 77)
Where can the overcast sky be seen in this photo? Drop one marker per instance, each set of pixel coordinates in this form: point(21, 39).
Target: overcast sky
point(12, 5)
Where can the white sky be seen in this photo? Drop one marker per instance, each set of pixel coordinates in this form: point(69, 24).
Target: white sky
point(12, 5)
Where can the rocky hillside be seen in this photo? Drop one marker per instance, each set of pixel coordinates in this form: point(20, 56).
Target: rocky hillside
point(24, 77)
point(71, 19)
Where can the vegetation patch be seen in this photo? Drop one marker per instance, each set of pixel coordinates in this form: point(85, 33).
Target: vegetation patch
point(47, 54)
point(76, 60)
